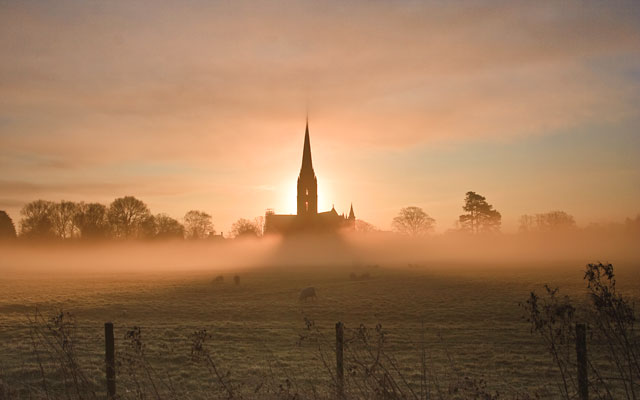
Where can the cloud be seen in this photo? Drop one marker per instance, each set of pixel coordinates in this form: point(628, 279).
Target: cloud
point(118, 80)
point(23, 188)
point(96, 92)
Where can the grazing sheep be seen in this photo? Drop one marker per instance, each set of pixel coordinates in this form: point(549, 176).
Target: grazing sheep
point(308, 293)
point(218, 279)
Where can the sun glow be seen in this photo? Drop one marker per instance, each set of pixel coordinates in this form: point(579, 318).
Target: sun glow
point(288, 200)
point(325, 197)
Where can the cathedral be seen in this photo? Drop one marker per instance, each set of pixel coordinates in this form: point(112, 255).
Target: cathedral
point(308, 219)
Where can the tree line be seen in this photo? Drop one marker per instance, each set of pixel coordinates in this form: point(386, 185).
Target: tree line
point(480, 217)
point(125, 218)
point(130, 218)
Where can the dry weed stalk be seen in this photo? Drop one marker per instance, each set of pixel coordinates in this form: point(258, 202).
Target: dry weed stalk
point(55, 338)
point(611, 319)
point(201, 354)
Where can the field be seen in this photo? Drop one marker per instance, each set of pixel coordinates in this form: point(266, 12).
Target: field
point(465, 316)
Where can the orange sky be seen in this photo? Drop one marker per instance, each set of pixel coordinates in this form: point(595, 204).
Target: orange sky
point(201, 105)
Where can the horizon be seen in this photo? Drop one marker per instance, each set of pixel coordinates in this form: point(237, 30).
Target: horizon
point(409, 104)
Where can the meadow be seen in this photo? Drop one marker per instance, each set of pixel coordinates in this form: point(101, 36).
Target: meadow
point(451, 324)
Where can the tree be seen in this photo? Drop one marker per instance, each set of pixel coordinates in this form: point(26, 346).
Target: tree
point(365, 227)
point(168, 228)
point(7, 229)
point(552, 221)
point(62, 216)
point(527, 223)
point(91, 221)
point(413, 221)
point(129, 218)
point(245, 228)
point(36, 221)
point(481, 217)
point(148, 228)
point(555, 221)
point(198, 224)
point(259, 223)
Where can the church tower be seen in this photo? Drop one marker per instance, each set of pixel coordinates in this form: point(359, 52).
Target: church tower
point(307, 182)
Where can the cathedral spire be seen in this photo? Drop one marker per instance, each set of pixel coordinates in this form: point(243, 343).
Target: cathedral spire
point(306, 154)
point(307, 182)
point(351, 214)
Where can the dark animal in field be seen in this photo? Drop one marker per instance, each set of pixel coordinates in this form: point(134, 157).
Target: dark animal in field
point(308, 293)
point(218, 279)
point(236, 280)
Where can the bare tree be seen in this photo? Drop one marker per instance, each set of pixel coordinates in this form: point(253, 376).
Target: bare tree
point(91, 221)
point(36, 221)
point(413, 221)
point(555, 221)
point(364, 226)
point(481, 217)
point(552, 221)
point(259, 223)
point(198, 224)
point(62, 216)
point(527, 223)
point(148, 228)
point(168, 228)
point(129, 218)
point(245, 228)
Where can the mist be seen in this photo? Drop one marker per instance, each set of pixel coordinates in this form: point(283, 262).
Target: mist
point(457, 289)
point(318, 252)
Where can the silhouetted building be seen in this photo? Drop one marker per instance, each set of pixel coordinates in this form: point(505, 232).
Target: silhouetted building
point(308, 219)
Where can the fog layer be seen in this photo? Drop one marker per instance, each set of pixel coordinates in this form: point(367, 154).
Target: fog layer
point(322, 252)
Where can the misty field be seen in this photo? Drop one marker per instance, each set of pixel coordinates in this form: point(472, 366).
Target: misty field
point(465, 316)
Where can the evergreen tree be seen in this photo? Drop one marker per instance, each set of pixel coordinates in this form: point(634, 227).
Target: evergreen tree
point(480, 216)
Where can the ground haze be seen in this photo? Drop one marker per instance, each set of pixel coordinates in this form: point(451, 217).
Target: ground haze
point(464, 312)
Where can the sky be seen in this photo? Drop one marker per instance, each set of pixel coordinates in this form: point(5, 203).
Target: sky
point(202, 105)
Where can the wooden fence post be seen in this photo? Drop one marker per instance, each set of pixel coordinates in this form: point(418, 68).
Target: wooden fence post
point(581, 357)
point(340, 360)
point(110, 360)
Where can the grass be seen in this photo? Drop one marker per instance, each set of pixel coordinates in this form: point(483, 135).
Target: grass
point(462, 321)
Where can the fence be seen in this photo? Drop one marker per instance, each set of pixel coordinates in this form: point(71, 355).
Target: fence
point(581, 356)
